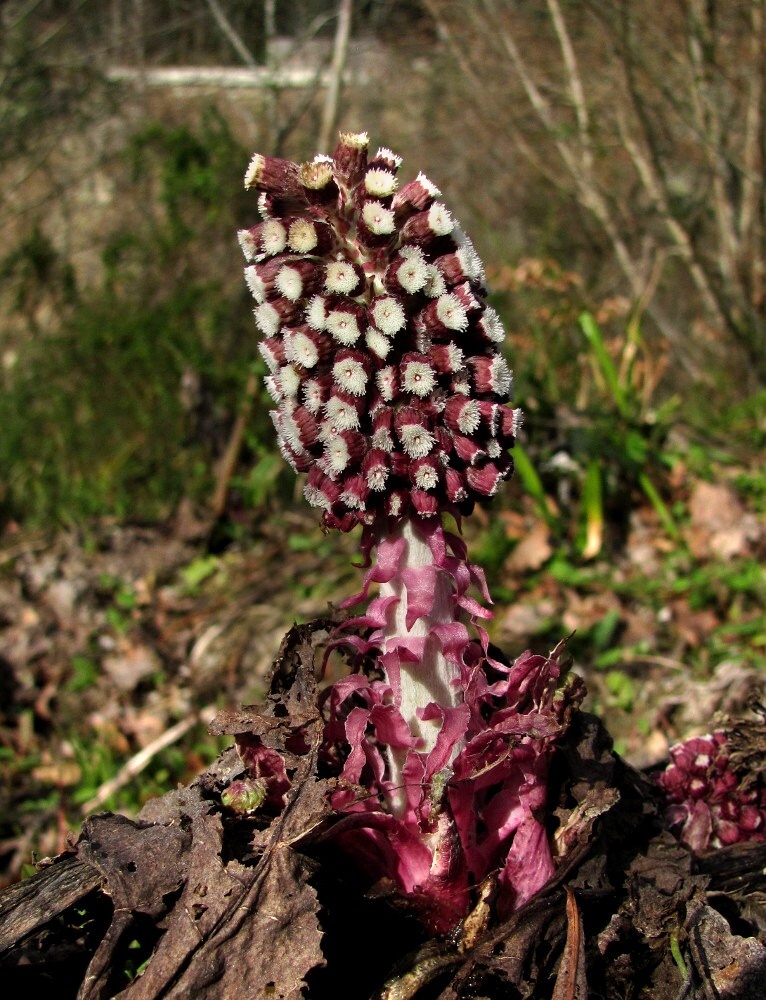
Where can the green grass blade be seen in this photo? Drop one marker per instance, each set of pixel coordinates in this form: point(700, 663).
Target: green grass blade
point(532, 483)
point(595, 339)
point(660, 507)
point(593, 506)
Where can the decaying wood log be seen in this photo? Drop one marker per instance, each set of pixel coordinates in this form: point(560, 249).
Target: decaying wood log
point(197, 899)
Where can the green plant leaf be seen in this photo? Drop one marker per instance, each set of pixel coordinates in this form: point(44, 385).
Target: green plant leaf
point(593, 506)
point(533, 484)
point(605, 364)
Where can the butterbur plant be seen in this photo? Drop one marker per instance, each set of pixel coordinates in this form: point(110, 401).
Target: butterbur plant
point(392, 396)
point(709, 802)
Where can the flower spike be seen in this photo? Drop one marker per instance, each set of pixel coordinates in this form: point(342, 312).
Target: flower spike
point(385, 270)
point(392, 395)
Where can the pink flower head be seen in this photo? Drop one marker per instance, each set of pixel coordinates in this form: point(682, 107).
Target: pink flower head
point(707, 804)
point(374, 285)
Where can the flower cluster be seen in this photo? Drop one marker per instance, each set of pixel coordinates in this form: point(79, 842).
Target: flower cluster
point(383, 354)
point(707, 804)
point(391, 394)
point(473, 805)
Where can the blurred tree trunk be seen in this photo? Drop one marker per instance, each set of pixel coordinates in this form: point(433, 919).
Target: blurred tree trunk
point(340, 52)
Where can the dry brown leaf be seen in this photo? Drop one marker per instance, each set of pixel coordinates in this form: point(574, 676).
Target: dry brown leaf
point(720, 526)
point(130, 664)
point(533, 550)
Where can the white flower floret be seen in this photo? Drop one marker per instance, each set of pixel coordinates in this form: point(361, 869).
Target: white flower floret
point(429, 185)
point(316, 313)
point(382, 439)
point(416, 440)
point(352, 495)
point(492, 325)
point(451, 312)
point(379, 182)
point(272, 361)
point(273, 388)
point(316, 497)
point(418, 378)
point(343, 326)
point(493, 449)
point(273, 237)
point(455, 356)
point(263, 205)
point(341, 414)
point(301, 350)
point(328, 431)
point(248, 244)
point(470, 260)
point(440, 222)
point(255, 284)
point(462, 386)
point(285, 453)
point(340, 277)
point(316, 174)
point(426, 478)
point(384, 153)
point(336, 455)
point(470, 417)
point(254, 169)
point(289, 283)
point(501, 375)
point(355, 140)
point(267, 318)
point(289, 381)
point(291, 432)
point(350, 375)
point(378, 219)
point(312, 395)
point(352, 501)
point(302, 236)
point(388, 315)
point(412, 273)
point(376, 477)
point(311, 495)
point(435, 285)
point(386, 379)
point(377, 343)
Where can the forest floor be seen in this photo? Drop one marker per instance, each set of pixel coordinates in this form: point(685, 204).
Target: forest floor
point(119, 643)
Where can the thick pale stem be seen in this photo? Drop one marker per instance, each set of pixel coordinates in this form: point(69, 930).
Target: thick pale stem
point(432, 678)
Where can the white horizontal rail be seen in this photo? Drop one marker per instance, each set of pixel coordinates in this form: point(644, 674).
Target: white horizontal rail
point(219, 76)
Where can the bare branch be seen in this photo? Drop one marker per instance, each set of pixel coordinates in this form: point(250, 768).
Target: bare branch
point(679, 235)
point(587, 189)
point(458, 51)
point(228, 30)
point(701, 37)
point(339, 55)
point(141, 760)
point(750, 221)
point(576, 89)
